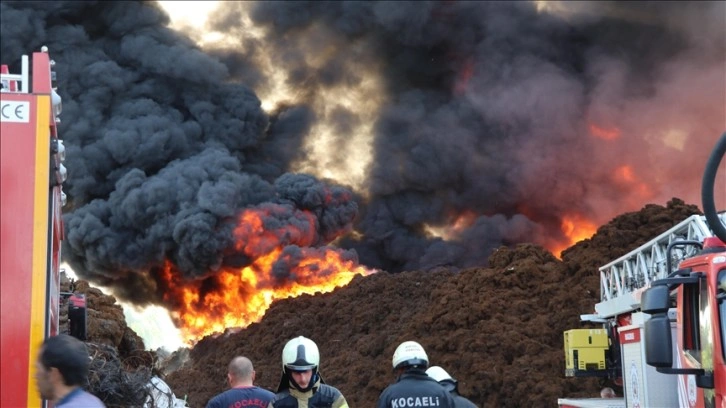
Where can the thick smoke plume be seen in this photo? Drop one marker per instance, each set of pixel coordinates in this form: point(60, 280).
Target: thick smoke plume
point(493, 122)
point(507, 116)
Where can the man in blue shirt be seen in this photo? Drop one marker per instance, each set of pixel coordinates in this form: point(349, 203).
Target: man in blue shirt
point(61, 370)
point(240, 377)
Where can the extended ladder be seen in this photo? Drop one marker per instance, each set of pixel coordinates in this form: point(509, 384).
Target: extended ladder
point(622, 281)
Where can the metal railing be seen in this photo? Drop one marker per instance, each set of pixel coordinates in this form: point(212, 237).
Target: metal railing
point(621, 279)
point(10, 81)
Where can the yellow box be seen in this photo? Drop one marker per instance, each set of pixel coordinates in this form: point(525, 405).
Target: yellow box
point(585, 351)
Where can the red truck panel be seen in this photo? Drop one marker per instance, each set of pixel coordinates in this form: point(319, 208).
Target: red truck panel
point(24, 232)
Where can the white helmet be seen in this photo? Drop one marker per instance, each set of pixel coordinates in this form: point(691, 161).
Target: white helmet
point(300, 354)
point(410, 354)
point(442, 377)
point(438, 374)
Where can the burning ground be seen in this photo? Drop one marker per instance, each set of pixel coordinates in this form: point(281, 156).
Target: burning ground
point(498, 330)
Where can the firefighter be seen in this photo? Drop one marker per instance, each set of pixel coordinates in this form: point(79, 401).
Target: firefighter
point(451, 385)
point(242, 392)
point(61, 371)
point(301, 384)
point(413, 388)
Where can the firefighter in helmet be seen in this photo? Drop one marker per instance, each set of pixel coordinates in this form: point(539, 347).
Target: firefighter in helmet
point(413, 387)
point(448, 382)
point(301, 384)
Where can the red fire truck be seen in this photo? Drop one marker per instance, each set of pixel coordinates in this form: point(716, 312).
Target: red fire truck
point(663, 310)
point(32, 172)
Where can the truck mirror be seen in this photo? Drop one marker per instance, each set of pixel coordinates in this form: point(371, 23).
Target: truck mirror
point(658, 342)
point(655, 300)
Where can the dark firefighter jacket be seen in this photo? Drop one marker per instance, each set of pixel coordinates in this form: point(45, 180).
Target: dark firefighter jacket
point(415, 389)
point(319, 396)
point(459, 401)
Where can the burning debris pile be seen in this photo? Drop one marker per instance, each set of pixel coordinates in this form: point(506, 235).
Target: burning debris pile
point(498, 330)
point(319, 142)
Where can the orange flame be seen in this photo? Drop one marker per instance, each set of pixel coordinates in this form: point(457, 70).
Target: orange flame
point(238, 297)
point(463, 77)
point(464, 221)
point(603, 133)
point(625, 176)
point(576, 228)
point(457, 224)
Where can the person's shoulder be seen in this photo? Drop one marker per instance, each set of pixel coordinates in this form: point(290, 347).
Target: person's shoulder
point(280, 395)
point(390, 387)
point(84, 399)
point(265, 390)
point(216, 400)
point(330, 389)
point(95, 402)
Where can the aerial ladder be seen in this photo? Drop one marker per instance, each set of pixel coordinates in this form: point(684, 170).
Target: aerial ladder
point(622, 283)
point(623, 280)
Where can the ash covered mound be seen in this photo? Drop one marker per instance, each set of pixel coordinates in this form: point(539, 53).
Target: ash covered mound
point(498, 330)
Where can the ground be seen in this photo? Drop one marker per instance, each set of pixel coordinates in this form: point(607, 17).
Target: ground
point(497, 329)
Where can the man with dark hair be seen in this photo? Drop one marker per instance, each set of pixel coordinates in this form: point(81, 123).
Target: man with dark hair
point(240, 377)
point(61, 370)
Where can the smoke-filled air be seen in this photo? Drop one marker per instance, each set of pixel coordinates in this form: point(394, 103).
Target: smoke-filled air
point(307, 143)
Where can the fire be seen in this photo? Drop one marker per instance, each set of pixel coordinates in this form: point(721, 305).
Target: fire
point(456, 226)
point(605, 133)
point(576, 228)
point(464, 221)
point(280, 267)
point(236, 298)
point(625, 176)
point(463, 77)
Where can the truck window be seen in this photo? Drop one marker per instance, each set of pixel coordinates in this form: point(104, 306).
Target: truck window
point(691, 323)
point(697, 328)
point(721, 297)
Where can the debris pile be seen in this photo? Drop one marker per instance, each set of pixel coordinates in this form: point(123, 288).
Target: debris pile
point(498, 330)
point(118, 383)
point(121, 373)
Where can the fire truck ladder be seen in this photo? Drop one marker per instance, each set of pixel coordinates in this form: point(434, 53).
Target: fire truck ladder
point(623, 280)
point(9, 82)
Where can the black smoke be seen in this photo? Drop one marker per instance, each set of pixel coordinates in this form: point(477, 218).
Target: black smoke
point(163, 150)
point(485, 109)
point(489, 106)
